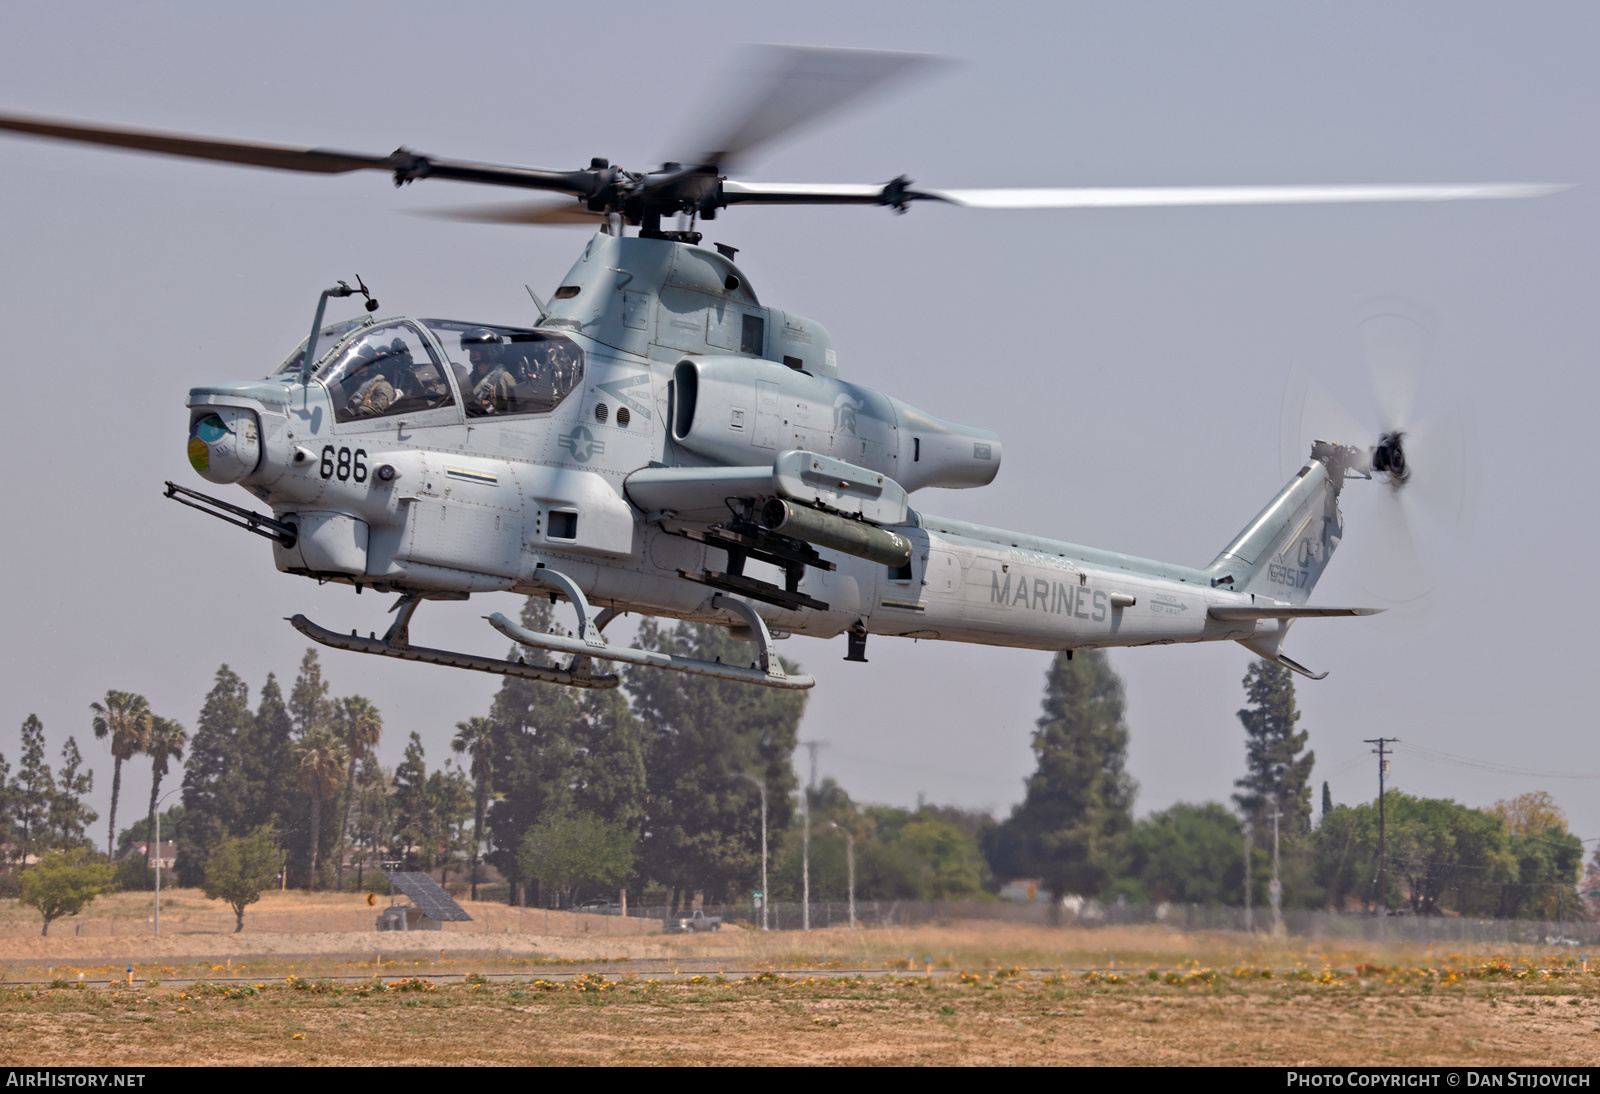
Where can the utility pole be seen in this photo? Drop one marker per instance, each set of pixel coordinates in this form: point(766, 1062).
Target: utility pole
point(1276, 890)
point(164, 797)
point(850, 866)
point(766, 897)
point(1383, 862)
point(805, 842)
point(1249, 914)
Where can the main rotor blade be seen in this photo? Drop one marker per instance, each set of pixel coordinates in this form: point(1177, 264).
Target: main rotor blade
point(804, 193)
point(520, 212)
point(405, 165)
point(1120, 197)
point(1117, 197)
point(775, 90)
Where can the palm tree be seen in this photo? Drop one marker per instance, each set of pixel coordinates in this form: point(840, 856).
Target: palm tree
point(126, 719)
point(360, 725)
point(165, 742)
point(321, 759)
point(475, 737)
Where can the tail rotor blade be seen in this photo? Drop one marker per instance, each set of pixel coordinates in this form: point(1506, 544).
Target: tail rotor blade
point(1442, 450)
point(1395, 338)
point(1311, 413)
point(1398, 577)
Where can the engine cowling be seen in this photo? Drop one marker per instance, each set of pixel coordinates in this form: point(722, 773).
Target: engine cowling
point(740, 411)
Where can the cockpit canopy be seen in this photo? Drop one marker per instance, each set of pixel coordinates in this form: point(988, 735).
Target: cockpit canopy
point(386, 369)
point(394, 367)
point(509, 370)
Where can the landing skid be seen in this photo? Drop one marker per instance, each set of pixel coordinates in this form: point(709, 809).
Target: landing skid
point(767, 670)
point(586, 646)
point(396, 643)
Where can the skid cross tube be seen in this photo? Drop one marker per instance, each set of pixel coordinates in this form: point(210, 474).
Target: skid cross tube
point(770, 675)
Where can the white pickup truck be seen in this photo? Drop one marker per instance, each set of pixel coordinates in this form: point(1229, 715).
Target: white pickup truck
point(692, 922)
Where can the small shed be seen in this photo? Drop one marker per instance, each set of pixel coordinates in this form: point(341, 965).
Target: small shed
point(430, 908)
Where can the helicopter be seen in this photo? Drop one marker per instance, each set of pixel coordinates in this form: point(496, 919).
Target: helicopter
point(660, 442)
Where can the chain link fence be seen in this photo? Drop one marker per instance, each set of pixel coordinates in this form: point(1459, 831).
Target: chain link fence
point(502, 919)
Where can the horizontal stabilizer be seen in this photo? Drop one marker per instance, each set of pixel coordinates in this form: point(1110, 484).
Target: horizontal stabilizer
point(1286, 611)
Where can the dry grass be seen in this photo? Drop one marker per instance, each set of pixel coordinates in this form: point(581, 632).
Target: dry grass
point(1115, 995)
point(1481, 1013)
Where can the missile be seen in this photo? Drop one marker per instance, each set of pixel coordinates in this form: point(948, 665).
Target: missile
point(853, 537)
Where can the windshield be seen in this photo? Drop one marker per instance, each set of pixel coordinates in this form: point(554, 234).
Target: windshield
point(327, 341)
point(388, 369)
point(509, 370)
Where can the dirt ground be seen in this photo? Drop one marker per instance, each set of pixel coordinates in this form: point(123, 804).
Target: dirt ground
point(962, 992)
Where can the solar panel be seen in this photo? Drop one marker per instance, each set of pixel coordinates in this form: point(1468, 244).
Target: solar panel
point(425, 893)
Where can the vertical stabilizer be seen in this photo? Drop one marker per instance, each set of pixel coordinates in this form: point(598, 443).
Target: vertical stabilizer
point(1280, 555)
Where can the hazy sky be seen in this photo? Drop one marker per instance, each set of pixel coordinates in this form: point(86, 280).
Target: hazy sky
point(1133, 361)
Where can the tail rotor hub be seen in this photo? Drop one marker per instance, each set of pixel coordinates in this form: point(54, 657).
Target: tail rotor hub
point(1389, 457)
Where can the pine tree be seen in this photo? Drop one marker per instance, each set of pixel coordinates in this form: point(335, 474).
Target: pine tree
point(70, 818)
point(309, 704)
point(412, 813)
point(35, 790)
point(704, 828)
point(531, 755)
point(8, 803)
point(215, 788)
point(269, 782)
point(1277, 773)
point(610, 779)
point(449, 809)
point(373, 808)
point(1327, 800)
point(1072, 825)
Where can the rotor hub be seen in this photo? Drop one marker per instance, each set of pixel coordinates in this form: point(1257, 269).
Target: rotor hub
point(1389, 457)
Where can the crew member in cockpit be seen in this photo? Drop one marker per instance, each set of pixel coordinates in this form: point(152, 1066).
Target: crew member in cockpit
point(492, 388)
point(390, 366)
point(371, 391)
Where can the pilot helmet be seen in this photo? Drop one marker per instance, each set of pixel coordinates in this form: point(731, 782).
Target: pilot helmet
point(361, 356)
point(482, 340)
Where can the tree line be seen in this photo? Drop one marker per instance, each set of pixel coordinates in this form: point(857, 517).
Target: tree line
point(571, 794)
point(1075, 828)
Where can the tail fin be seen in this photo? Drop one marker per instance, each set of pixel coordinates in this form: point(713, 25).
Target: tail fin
point(1280, 555)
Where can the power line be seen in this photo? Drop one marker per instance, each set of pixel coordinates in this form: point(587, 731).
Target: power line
point(1436, 756)
point(1340, 769)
